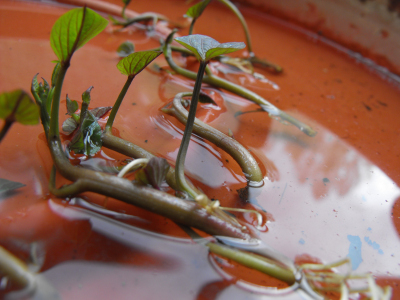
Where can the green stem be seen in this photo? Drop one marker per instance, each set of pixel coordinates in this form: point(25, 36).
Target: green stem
point(182, 211)
point(238, 14)
point(254, 261)
point(55, 108)
point(271, 109)
point(6, 126)
point(180, 161)
point(118, 102)
point(192, 26)
point(242, 156)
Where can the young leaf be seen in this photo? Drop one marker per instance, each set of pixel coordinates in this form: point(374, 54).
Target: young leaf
point(74, 29)
point(87, 140)
point(196, 10)
point(206, 48)
point(41, 89)
point(69, 126)
point(86, 96)
point(134, 63)
point(154, 173)
point(125, 49)
point(72, 106)
point(18, 106)
point(8, 185)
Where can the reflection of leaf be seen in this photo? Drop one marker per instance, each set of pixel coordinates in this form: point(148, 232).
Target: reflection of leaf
point(74, 29)
point(8, 185)
point(154, 173)
point(125, 49)
point(134, 63)
point(72, 106)
point(196, 10)
point(206, 48)
point(204, 98)
point(18, 106)
point(87, 140)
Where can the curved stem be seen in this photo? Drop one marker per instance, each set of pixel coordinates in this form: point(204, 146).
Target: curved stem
point(118, 102)
point(180, 161)
point(182, 211)
point(55, 108)
point(239, 15)
point(271, 109)
point(6, 126)
point(242, 156)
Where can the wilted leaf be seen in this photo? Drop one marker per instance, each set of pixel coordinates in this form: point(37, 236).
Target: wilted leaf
point(125, 49)
point(134, 63)
point(20, 107)
point(196, 10)
point(87, 140)
point(154, 173)
point(72, 106)
point(69, 125)
point(86, 95)
point(98, 112)
point(74, 29)
point(206, 48)
point(8, 185)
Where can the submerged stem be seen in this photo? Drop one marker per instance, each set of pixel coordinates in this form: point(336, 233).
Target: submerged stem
point(242, 156)
point(180, 161)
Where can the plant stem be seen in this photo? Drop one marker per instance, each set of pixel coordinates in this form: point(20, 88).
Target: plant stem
point(6, 126)
point(181, 211)
point(271, 109)
point(118, 102)
point(54, 130)
point(254, 261)
point(15, 269)
point(238, 14)
point(242, 156)
point(180, 160)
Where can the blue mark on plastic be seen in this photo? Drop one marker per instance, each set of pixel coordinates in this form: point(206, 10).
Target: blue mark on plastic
point(373, 244)
point(355, 251)
point(369, 229)
point(364, 199)
point(302, 241)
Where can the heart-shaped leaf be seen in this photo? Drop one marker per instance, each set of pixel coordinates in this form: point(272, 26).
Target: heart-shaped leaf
point(196, 10)
point(18, 106)
point(206, 48)
point(134, 63)
point(74, 29)
point(125, 49)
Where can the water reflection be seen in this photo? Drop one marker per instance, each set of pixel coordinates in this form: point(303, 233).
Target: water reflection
point(329, 202)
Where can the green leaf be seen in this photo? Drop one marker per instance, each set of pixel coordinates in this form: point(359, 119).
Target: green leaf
point(69, 126)
point(134, 63)
point(74, 29)
point(86, 95)
point(18, 106)
point(72, 106)
point(87, 140)
point(125, 49)
point(154, 173)
point(8, 185)
point(54, 75)
point(196, 10)
point(206, 48)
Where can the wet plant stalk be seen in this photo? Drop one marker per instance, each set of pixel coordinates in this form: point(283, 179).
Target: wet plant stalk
point(180, 161)
point(15, 269)
point(213, 80)
point(243, 157)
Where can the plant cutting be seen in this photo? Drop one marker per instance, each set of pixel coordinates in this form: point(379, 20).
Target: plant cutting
point(80, 119)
